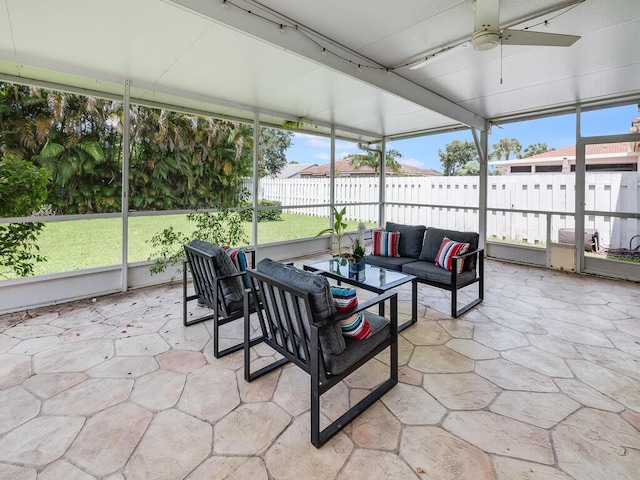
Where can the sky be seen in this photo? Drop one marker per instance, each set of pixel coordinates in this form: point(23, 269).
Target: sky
point(556, 132)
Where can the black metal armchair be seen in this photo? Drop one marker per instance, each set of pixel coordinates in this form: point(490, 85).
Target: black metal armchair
point(299, 321)
point(218, 285)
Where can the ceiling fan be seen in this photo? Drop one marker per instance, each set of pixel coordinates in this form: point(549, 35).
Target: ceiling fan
point(487, 33)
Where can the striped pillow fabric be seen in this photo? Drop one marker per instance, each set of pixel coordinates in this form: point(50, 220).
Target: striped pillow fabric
point(356, 327)
point(239, 260)
point(344, 298)
point(385, 244)
point(448, 250)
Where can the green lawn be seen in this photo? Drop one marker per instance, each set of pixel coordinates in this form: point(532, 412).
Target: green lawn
point(78, 244)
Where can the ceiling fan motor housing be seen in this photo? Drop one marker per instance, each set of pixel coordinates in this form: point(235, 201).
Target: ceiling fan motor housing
point(485, 40)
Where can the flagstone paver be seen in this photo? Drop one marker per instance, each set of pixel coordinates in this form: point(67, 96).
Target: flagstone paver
point(249, 429)
point(89, 397)
point(377, 428)
point(46, 385)
point(439, 454)
point(158, 390)
point(15, 369)
point(540, 409)
point(18, 406)
point(173, 445)
point(613, 446)
point(197, 398)
point(374, 465)
point(40, 441)
point(540, 381)
point(107, 440)
point(502, 435)
point(461, 391)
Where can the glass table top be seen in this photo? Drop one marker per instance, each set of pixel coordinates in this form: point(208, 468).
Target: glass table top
point(371, 276)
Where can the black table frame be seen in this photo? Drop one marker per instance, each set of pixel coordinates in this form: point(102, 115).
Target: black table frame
point(353, 280)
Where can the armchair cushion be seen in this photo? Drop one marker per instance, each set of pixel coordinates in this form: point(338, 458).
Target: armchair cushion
point(232, 289)
point(411, 237)
point(357, 349)
point(323, 309)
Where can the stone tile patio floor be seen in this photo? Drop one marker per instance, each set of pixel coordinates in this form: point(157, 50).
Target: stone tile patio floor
point(541, 381)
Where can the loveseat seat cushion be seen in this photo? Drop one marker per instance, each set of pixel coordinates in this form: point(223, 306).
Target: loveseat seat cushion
point(433, 239)
point(391, 263)
point(322, 306)
point(411, 237)
point(357, 349)
point(433, 273)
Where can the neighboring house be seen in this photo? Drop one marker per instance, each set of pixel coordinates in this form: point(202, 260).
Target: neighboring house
point(344, 168)
point(603, 157)
point(294, 170)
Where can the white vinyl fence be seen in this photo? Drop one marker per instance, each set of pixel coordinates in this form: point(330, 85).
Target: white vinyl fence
point(452, 202)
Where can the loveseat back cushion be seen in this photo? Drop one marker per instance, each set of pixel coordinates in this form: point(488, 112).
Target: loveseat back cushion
point(433, 239)
point(322, 307)
point(411, 237)
point(232, 289)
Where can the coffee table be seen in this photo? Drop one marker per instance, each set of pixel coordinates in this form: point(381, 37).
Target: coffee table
point(372, 278)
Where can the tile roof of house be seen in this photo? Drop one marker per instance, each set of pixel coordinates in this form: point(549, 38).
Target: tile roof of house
point(344, 167)
point(292, 169)
point(598, 149)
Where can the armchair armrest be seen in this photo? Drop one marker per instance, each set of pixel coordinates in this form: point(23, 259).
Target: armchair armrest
point(468, 254)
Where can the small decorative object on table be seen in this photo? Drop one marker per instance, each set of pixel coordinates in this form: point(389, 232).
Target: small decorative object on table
point(356, 258)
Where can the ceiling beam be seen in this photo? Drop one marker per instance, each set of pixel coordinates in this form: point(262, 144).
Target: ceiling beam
point(275, 29)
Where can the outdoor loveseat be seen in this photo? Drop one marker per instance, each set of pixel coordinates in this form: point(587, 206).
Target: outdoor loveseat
point(417, 252)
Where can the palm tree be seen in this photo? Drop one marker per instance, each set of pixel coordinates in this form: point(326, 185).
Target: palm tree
point(372, 158)
point(505, 147)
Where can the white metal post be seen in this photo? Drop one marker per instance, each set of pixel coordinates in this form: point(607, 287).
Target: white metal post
point(382, 218)
point(256, 179)
point(580, 195)
point(332, 180)
point(482, 145)
point(124, 283)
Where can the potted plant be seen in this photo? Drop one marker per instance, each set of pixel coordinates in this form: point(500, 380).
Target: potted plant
point(338, 229)
point(355, 257)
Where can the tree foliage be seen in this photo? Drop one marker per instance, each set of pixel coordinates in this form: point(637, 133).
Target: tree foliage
point(372, 158)
point(505, 148)
point(457, 155)
point(220, 228)
point(535, 149)
point(177, 160)
point(22, 191)
point(272, 152)
point(470, 168)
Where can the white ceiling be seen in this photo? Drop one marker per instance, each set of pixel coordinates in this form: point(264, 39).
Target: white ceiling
point(199, 55)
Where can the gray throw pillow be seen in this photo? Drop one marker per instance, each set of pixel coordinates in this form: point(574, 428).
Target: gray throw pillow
point(411, 237)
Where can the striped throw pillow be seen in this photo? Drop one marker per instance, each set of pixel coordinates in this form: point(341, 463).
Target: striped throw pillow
point(239, 260)
point(356, 327)
point(344, 298)
point(385, 244)
point(448, 250)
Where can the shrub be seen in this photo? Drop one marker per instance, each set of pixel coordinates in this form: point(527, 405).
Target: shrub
point(274, 215)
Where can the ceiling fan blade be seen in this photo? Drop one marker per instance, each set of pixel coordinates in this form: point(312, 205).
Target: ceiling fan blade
point(487, 16)
point(541, 39)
